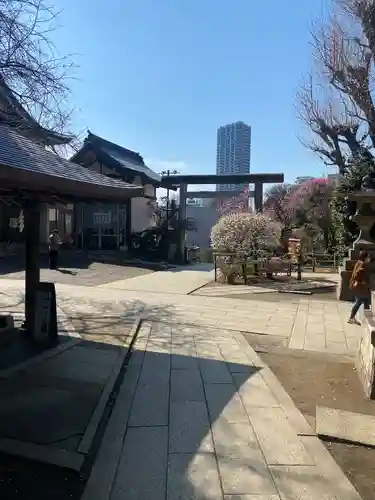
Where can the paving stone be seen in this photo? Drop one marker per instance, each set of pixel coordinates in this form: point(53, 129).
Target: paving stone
point(241, 463)
point(297, 338)
point(142, 470)
point(254, 391)
point(224, 401)
point(355, 427)
point(214, 371)
point(64, 367)
point(189, 428)
point(186, 385)
point(282, 446)
point(184, 360)
point(302, 483)
point(238, 476)
point(64, 412)
point(251, 497)
point(337, 347)
point(344, 489)
point(315, 342)
point(208, 350)
point(238, 366)
point(150, 406)
point(193, 477)
point(100, 482)
point(155, 369)
point(236, 359)
point(352, 343)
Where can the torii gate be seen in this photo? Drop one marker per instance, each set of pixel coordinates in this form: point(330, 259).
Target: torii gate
point(182, 182)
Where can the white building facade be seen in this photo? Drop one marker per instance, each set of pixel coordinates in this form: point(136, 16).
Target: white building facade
point(233, 152)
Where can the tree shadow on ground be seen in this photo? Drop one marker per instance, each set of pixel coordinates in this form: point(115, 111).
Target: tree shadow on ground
point(71, 259)
point(174, 417)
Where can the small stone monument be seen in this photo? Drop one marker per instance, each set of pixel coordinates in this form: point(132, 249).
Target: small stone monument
point(365, 219)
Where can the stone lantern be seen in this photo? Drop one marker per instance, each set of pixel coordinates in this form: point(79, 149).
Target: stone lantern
point(365, 219)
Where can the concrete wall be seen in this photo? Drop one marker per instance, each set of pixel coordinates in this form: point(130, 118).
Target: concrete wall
point(205, 217)
point(141, 214)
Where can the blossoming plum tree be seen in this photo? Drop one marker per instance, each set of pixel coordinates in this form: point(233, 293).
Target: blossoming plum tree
point(245, 232)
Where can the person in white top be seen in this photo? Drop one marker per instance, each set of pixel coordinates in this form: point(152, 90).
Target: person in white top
point(53, 247)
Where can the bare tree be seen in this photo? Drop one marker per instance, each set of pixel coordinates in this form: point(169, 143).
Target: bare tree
point(335, 133)
point(30, 65)
point(362, 12)
point(336, 104)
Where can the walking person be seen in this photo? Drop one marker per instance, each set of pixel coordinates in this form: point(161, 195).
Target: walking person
point(54, 244)
point(360, 284)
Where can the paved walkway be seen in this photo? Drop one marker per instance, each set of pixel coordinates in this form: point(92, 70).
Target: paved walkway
point(178, 280)
point(306, 324)
point(199, 416)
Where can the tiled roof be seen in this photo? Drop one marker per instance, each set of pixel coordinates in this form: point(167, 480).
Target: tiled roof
point(14, 114)
point(17, 152)
point(124, 157)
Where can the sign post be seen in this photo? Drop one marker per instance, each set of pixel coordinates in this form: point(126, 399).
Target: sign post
point(45, 326)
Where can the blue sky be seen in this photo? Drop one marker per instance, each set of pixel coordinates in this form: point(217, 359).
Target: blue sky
point(161, 76)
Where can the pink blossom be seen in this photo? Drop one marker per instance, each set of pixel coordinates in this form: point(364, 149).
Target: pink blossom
point(311, 197)
point(239, 203)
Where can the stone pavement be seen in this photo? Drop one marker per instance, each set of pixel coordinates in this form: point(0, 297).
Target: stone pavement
point(52, 405)
point(178, 280)
point(83, 273)
point(200, 416)
point(306, 324)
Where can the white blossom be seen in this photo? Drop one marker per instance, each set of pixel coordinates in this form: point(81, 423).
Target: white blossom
point(245, 232)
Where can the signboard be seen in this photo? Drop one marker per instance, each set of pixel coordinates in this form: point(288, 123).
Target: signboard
point(17, 222)
point(102, 218)
point(294, 249)
point(45, 323)
point(13, 222)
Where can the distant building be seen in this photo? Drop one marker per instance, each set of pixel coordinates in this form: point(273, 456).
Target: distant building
point(194, 202)
point(233, 152)
point(204, 217)
point(302, 179)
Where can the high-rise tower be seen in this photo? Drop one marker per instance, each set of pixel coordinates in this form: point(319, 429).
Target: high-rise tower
point(233, 152)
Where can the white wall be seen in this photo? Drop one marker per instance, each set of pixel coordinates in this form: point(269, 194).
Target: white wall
point(142, 210)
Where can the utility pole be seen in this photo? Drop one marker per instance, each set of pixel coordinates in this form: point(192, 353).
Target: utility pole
point(167, 173)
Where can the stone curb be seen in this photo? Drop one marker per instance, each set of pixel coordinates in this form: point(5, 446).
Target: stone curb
point(64, 326)
point(42, 453)
point(60, 457)
point(90, 432)
point(102, 476)
point(310, 440)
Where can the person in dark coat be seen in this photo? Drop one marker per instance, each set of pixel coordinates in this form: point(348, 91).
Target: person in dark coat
point(359, 283)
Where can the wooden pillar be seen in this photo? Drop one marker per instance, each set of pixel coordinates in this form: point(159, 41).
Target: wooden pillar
point(258, 196)
point(32, 261)
point(118, 226)
point(82, 215)
point(128, 224)
point(182, 217)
